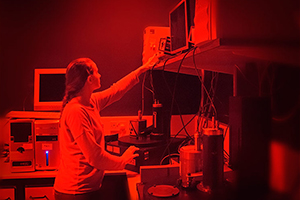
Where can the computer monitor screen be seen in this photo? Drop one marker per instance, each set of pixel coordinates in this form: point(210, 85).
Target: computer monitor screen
point(179, 27)
point(49, 88)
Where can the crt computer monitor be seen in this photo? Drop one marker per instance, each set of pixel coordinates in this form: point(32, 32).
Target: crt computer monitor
point(49, 88)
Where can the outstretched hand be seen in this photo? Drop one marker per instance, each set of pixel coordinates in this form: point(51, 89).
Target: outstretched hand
point(130, 154)
point(154, 60)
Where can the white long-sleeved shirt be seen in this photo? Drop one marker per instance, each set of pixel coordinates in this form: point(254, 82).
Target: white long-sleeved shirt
point(83, 157)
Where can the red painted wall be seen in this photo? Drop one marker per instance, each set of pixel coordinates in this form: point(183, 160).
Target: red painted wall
point(49, 34)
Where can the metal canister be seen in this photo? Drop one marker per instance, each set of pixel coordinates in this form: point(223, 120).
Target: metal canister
point(191, 162)
point(212, 158)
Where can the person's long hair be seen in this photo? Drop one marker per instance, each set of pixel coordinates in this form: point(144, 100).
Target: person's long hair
point(76, 75)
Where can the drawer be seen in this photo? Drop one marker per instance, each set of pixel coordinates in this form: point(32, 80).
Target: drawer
point(40, 193)
point(7, 193)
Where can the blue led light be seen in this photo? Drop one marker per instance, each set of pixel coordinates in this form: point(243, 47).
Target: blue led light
point(47, 158)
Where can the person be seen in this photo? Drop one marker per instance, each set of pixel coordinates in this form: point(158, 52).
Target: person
point(83, 157)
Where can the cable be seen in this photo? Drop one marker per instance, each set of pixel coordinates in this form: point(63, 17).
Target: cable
point(245, 77)
point(203, 86)
point(172, 95)
point(176, 78)
point(183, 143)
point(143, 94)
point(173, 98)
point(144, 86)
point(167, 147)
point(213, 86)
point(151, 84)
point(202, 108)
point(172, 154)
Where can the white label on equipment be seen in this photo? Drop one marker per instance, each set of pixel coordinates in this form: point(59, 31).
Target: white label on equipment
point(46, 146)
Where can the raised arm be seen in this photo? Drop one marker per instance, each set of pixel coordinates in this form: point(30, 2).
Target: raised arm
point(117, 90)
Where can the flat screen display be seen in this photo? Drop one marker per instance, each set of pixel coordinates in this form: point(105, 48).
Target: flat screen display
point(179, 28)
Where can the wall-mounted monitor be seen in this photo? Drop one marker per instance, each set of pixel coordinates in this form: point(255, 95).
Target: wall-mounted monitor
point(178, 21)
point(49, 89)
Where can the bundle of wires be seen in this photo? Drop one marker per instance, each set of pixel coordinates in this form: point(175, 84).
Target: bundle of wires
point(206, 109)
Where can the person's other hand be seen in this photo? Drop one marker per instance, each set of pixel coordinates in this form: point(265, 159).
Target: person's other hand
point(129, 154)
